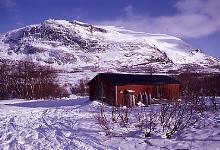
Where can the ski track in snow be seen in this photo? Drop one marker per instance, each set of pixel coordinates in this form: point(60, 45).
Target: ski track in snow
point(47, 127)
point(70, 124)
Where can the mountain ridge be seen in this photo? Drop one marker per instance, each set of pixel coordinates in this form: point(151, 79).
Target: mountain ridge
point(74, 45)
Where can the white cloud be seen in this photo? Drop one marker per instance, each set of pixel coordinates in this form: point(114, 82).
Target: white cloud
point(195, 18)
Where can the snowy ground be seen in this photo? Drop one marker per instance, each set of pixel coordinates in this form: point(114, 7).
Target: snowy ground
point(70, 124)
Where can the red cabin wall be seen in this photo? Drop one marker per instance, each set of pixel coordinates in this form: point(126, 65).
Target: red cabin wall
point(108, 89)
point(168, 91)
point(114, 96)
point(171, 91)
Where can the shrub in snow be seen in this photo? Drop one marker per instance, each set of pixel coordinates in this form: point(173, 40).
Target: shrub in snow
point(175, 117)
point(27, 80)
point(117, 119)
point(147, 119)
point(104, 121)
point(165, 119)
point(81, 88)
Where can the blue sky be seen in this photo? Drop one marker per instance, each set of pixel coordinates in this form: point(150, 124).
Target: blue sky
point(195, 21)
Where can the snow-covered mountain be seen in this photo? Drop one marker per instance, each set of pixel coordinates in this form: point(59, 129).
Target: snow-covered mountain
point(76, 46)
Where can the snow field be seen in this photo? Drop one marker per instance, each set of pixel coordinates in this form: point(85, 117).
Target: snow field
point(70, 124)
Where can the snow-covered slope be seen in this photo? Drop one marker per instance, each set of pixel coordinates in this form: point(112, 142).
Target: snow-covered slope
point(77, 46)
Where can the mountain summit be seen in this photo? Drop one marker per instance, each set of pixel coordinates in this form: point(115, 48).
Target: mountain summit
point(79, 46)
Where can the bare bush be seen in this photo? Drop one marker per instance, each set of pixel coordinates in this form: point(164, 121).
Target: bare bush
point(177, 116)
point(166, 119)
point(114, 115)
point(214, 103)
point(117, 116)
point(81, 88)
point(104, 121)
point(27, 80)
point(150, 123)
point(171, 118)
point(123, 114)
point(147, 120)
point(5, 86)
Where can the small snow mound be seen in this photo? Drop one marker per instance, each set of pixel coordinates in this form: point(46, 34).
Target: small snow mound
point(124, 107)
point(70, 97)
point(96, 103)
point(140, 104)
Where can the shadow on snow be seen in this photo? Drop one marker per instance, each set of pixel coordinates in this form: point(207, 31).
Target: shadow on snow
point(52, 103)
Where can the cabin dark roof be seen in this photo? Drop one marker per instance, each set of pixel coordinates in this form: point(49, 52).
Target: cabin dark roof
point(131, 79)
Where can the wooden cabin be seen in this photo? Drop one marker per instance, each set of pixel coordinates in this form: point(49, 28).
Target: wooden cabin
point(129, 89)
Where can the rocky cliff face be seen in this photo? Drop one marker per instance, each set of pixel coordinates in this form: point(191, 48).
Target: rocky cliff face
point(79, 47)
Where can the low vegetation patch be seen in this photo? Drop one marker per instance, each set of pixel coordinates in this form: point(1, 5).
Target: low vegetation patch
point(164, 120)
point(27, 80)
